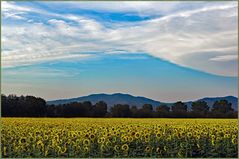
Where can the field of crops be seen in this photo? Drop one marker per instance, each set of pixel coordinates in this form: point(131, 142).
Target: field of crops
point(87, 137)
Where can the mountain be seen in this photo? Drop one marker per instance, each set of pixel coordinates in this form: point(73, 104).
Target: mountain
point(231, 99)
point(119, 98)
point(110, 99)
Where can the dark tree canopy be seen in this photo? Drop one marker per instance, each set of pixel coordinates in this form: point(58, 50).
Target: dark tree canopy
point(179, 109)
point(120, 110)
point(99, 109)
point(200, 109)
point(30, 106)
point(222, 108)
point(163, 111)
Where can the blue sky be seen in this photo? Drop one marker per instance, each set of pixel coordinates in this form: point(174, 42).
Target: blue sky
point(166, 51)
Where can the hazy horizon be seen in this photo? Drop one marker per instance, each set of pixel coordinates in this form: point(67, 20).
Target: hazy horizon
point(165, 51)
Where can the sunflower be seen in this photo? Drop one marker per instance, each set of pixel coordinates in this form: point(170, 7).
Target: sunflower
point(114, 139)
point(45, 137)
point(86, 142)
point(63, 150)
point(73, 135)
point(125, 147)
point(77, 142)
point(56, 138)
point(189, 134)
point(234, 136)
point(31, 139)
point(92, 136)
point(226, 136)
point(137, 135)
point(37, 133)
point(124, 138)
point(130, 139)
point(22, 140)
point(108, 143)
point(86, 149)
point(169, 138)
point(117, 148)
point(40, 144)
point(198, 137)
point(99, 141)
point(102, 139)
point(234, 141)
point(103, 148)
point(147, 149)
point(158, 135)
point(87, 135)
point(236, 129)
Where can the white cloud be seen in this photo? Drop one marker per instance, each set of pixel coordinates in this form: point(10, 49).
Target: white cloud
point(180, 37)
point(10, 6)
point(223, 58)
point(12, 11)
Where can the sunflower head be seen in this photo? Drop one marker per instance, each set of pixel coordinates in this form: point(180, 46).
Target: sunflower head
point(158, 135)
point(22, 140)
point(86, 149)
point(117, 148)
point(86, 142)
point(103, 148)
point(92, 136)
point(189, 134)
point(125, 147)
point(137, 135)
point(147, 149)
point(234, 141)
point(40, 144)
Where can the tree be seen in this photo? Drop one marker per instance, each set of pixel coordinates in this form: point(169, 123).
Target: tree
point(179, 109)
point(222, 108)
point(148, 107)
point(134, 111)
point(77, 109)
point(163, 111)
point(99, 109)
point(30, 106)
point(4, 104)
point(146, 111)
point(120, 110)
point(200, 109)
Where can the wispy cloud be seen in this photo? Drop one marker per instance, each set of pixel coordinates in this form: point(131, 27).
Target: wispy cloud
point(224, 58)
point(174, 33)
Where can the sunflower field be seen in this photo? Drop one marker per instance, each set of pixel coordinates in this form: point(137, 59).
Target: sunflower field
point(117, 138)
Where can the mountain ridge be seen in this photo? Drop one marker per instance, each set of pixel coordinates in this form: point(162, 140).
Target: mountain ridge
point(121, 98)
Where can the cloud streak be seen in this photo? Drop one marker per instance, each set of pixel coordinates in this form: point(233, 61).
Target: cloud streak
point(184, 37)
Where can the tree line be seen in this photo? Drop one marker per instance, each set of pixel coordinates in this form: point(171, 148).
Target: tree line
point(30, 106)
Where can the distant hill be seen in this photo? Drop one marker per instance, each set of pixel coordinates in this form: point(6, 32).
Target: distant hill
point(119, 98)
point(110, 99)
point(210, 101)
